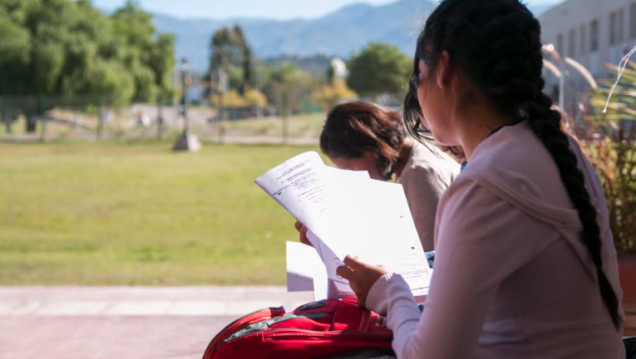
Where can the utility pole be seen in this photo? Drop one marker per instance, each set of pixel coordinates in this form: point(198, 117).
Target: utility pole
point(187, 141)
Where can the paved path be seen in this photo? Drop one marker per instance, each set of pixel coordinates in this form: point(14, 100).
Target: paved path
point(124, 322)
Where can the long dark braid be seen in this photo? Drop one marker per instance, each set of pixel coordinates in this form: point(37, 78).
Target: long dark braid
point(497, 44)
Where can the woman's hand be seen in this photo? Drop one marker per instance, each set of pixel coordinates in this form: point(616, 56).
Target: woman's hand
point(303, 233)
point(361, 277)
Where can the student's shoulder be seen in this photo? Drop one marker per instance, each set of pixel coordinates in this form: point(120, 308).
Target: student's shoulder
point(425, 173)
point(514, 166)
point(513, 151)
point(427, 158)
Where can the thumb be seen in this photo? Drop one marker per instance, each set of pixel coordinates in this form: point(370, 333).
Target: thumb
point(353, 262)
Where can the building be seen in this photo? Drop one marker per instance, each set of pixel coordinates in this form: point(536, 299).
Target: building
point(592, 32)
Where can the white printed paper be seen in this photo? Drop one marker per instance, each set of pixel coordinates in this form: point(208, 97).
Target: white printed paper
point(303, 267)
point(348, 213)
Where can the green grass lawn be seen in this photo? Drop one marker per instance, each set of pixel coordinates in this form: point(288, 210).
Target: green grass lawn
point(139, 214)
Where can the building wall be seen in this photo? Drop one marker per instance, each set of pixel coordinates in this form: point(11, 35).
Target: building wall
point(573, 20)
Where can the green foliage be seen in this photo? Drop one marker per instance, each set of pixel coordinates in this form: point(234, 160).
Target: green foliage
point(611, 143)
point(289, 87)
point(332, 93)
point(623, 103)
point(231, 53)
point(232, 98)
point(162, 64)
point(69, 48)
point(379, 69)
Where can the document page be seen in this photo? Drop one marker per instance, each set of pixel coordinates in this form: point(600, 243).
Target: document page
point(304, 266)
point(300, 185)
point(388, 236)
point(348, 213)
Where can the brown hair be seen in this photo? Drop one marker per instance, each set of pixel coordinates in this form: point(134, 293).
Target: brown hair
point(356, 127)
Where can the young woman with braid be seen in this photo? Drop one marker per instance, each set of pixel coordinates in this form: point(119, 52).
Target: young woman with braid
point(525, 264)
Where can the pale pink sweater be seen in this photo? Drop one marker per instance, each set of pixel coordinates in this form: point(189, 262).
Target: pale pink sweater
point(512, 278)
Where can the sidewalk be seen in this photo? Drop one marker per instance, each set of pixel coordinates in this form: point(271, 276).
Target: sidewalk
point(125, 322)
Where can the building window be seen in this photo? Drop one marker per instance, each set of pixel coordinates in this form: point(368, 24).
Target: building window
point(572, 43)
point(559, 46)
point(583, 43)
point(632, 21)
point(613, 29)
point(594, 36)
point(621, 26)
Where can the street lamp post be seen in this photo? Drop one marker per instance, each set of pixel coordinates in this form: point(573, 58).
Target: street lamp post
point(561, 71)
point(555, 54)
point(223, 88)
point(187, 141)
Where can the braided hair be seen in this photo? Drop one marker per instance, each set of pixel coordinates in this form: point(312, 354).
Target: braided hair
point(497, 44)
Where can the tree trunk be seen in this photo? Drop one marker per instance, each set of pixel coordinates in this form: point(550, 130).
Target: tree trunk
point(285, 117)
point(8, 121)
point(99, 130)
point(285, 126)
point(221, 124)
point(31, 123)
point(159, 122)
point(43, 129)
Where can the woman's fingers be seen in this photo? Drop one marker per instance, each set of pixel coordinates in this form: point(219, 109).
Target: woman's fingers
point(353, 278)
point(361, 276)
point(303, 236)
point(303, 233)
point(345, 272)
point(353, 262)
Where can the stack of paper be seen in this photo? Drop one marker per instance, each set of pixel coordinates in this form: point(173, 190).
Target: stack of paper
point(306, 272)
point(348, 213)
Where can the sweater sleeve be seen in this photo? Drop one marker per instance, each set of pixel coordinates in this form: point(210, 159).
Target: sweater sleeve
point(479, 246)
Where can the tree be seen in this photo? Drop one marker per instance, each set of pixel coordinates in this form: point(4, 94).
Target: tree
point(61, 48)
point(134, 31)
point(162, 63)
point(231, 54)
point(331, 94)
point(379, 69)
point(254, 97)
point(289, 87)
point(246, 59)
point(15, 47)
point(233, 98)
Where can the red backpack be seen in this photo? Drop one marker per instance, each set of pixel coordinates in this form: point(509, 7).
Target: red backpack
point(333, 329)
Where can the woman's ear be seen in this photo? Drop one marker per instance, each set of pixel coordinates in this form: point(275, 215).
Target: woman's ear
point(444, 70)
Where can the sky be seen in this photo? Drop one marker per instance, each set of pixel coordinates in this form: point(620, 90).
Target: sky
point(271, 9)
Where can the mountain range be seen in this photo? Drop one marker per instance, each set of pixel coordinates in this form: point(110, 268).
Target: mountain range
point(339, 33)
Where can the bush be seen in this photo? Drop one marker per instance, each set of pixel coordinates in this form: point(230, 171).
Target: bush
point(610, 140)
point(613, 153)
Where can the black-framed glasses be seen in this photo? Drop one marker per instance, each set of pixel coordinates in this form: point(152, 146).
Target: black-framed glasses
point(412, 111)
point(413, 116)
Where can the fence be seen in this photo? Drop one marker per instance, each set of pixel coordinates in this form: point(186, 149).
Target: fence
point(91, 119)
